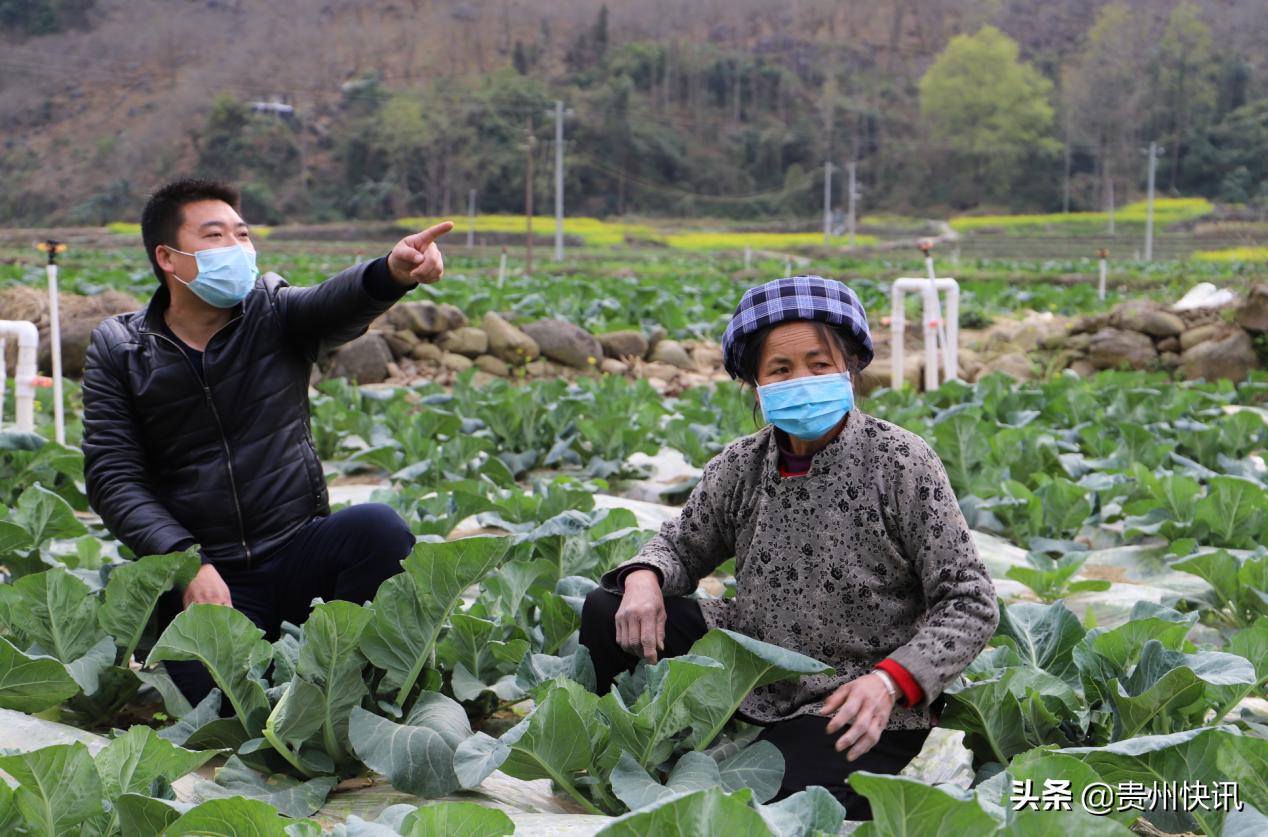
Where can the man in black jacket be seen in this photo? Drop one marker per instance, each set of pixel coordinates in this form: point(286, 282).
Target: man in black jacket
point(196, 422)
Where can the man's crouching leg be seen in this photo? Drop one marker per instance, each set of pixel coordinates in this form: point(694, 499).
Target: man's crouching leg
point(352, 552)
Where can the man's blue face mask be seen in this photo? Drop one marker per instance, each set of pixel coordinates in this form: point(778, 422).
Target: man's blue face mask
point(809, 406)
point(225, 274)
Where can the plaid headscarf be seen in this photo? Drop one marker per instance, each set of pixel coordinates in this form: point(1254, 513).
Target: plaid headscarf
point(795, 298)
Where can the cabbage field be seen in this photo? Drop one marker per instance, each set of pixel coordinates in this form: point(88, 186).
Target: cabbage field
point(1132, 647)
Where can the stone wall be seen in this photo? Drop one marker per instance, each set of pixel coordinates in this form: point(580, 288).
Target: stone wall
point(1198, 344)
point(426, 340)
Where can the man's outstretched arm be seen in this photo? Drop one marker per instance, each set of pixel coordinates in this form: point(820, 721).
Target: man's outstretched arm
point(342, 307)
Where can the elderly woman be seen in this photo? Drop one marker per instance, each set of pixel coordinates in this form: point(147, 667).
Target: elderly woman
point(849, 547)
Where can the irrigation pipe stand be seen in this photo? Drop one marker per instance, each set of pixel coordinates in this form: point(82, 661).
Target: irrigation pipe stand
point(930, 309)
point(53, 248)
point(24, 376)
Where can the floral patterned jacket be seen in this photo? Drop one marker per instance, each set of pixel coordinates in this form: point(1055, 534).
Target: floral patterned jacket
point(865, 557)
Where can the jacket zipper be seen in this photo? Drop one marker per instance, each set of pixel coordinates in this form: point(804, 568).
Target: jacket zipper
point(224, 441)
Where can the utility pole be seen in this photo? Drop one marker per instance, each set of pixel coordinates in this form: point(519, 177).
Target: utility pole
point(528, 199)
point(559, 180)
point(1153, 152)
point(471, 218)
point(827, 202)
point(853, 195)
point(1111, 205)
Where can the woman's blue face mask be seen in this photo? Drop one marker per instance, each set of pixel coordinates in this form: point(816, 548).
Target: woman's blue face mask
point(809, 406)
point(225, 274)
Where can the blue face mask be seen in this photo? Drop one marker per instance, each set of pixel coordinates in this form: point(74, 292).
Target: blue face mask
point(809, 406)
point(225, 274)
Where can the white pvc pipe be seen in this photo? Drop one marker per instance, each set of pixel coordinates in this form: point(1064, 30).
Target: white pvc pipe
point(930, 309)
point(55, 335)
point(24, 374)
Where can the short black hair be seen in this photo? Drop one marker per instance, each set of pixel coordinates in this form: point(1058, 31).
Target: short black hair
point(165, 212)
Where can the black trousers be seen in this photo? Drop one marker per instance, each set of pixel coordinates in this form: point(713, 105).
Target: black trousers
point(346, 555)
point(809, 754)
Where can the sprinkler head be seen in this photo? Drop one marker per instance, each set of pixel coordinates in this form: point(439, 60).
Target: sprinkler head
point(924, 245)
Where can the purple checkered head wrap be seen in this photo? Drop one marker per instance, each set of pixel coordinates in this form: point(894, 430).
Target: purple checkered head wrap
point(795, 298)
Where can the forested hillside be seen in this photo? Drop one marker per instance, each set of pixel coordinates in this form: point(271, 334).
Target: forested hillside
point(371, 109)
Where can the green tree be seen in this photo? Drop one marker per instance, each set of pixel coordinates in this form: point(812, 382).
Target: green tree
point(1105, 94)
point(983, 104)
point(1186, 74)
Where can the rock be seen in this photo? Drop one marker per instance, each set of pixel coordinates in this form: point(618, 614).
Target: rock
point(707, 356)
point(508, 342)
point(1231, 355)
point(620, 344)
point(424, 318)
point(493, 365)
point(1112, 348)
point(672, 353)
point(456, 362)
point(655, 336)
point(1161, 324)
point(393, 371)
point(76, 332)
point(1201, 334)
point(364, 360)
point(612, 366)
point(426, 351)
point(408, 337)
point(398, 346)
point(1253, 315)
point(79, 315)
point(1014, 364)
point(969, 362)
point(466, 340)
point(537, 368)
point(663, 371)
point(453, 316)
point(482, 378)
point(1169, 344)
point(879, 373)
point(1077, 342)
point(1090, 325)
point(1169, 360)
point(565, 343)
point(1083, 368)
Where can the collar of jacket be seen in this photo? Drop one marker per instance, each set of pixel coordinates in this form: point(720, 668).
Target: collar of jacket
point(161, 298)
point(825, 459)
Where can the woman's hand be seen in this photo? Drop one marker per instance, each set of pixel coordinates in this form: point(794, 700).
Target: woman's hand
point(640, 620)
point(864, 703)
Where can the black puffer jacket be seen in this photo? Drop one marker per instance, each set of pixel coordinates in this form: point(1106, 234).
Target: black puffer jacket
point(230, 465)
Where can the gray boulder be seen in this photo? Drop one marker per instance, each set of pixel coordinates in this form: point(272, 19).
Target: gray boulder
point(454, 316)
point(493, 366)
point(1112, 348)
point(426, 319)
point(1014, 364)
point(620, 344)
point(1159, 324)
point(565, 343)
point(1231, 355)
point(507, 342)
point(1202, 333)
point(466, 340)
point(1253, 315)
point(363, 360)
point(672, 353)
